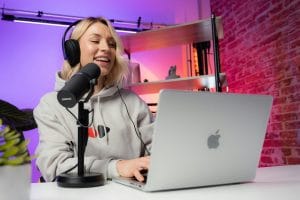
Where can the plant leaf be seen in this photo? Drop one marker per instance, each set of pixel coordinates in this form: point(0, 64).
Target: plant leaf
point(12, 151)
point(4, 131)
point(11, 112)
point(9, 144)
point(20, 119)
point(11, 135)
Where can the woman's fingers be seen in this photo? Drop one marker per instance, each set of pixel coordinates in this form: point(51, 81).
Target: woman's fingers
point(143, 163)
point(138, 176)
point(133, 168)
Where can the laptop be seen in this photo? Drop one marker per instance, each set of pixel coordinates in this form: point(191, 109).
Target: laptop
point(205, 139)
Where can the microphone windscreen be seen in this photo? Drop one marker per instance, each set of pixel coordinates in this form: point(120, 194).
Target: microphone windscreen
point(78, 85)
point(92, 70)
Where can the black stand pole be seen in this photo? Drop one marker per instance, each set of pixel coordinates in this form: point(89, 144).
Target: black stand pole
point(216, 53)
point(81, 179)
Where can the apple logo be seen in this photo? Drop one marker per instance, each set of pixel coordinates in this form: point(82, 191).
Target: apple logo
point(213, 140)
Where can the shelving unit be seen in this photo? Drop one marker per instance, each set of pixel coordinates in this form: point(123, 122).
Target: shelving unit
point(189, 83)
point(189, 33)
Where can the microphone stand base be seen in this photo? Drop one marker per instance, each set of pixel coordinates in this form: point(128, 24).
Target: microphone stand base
point(73, 180)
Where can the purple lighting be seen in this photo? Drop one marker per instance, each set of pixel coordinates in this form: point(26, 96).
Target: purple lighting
point(31, 54)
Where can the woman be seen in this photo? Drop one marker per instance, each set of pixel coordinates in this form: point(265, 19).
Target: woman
point(121, 129)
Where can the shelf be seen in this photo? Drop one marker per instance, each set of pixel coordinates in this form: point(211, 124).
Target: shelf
point(188, 33)
point(189, 83)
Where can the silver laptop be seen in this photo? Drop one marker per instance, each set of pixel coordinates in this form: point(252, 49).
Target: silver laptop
point(205, 139)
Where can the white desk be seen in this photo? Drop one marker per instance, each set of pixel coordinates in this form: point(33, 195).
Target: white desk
point(282, 182)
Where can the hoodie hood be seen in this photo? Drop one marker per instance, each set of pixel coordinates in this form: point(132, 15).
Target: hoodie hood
point(59, 82)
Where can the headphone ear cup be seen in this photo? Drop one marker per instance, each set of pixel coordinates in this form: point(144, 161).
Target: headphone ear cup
point(72, 51)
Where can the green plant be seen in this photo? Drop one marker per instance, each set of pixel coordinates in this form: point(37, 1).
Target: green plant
point(13, 146)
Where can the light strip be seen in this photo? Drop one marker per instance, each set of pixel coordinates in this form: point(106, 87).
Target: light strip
point(124, 31)
point(42, 18)
point(65, 25)
point(119, 30)
point(40, 23)
point(57, 23)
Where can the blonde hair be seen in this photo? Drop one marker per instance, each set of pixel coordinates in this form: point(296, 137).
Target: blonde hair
point(120, 69)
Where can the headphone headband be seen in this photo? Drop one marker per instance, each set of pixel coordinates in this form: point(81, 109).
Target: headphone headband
point(70, 47)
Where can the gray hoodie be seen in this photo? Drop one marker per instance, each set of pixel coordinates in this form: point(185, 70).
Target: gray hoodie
point(57, 148)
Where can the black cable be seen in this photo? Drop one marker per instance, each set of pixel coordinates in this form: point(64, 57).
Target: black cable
point(68, 170)
point(137, 132)
point(78, 122)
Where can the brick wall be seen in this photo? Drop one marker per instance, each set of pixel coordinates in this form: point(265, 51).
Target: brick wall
point(260, 54)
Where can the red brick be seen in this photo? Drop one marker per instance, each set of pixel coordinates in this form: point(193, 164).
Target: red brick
point(276, 8)
point(292, 125)
point(279, 100)
point(273, 135)
point(288, 134)
point(284, 83)
point(293, 160)
point(261, 7)
point(288, 2)
point(266, 159)
point(292, 107)
point(290, 90)
point(289, 143)
point(286, 151)
point(293, 98)
point(271, 38)
point(294, 6)
point(267, 151)
point(297, 150)
point(272, 143)
point(287, 117)
point(295, 43)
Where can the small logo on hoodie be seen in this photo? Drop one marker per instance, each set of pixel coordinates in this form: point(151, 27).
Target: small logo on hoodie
point(92, 133)
point(100, 132)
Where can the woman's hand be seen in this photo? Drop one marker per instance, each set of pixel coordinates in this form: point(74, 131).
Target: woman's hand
point(133, 168)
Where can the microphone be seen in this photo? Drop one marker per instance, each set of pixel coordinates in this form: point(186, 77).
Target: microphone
point(78, 85)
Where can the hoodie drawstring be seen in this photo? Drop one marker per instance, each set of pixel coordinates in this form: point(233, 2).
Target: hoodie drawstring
point(101, 114)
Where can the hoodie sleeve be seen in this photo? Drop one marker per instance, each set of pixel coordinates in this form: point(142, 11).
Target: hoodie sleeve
point(55, 152)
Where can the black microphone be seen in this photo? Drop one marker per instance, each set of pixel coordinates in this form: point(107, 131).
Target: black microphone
point(78, 85)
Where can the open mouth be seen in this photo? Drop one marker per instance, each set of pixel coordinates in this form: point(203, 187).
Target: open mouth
point(102, 59)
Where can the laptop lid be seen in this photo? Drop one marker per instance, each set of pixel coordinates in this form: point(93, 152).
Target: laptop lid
point(203, 139)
